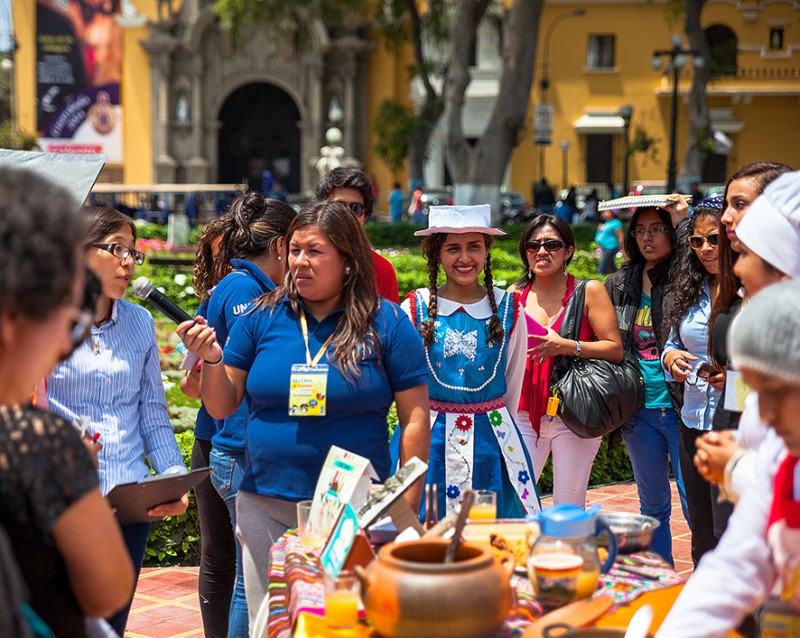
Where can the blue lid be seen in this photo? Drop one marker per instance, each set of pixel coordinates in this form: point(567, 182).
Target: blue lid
point(567, 521)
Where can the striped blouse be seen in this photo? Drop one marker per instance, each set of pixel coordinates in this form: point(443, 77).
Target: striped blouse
point(114, 379)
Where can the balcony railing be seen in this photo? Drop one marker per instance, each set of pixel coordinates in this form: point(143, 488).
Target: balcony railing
point(731, 74)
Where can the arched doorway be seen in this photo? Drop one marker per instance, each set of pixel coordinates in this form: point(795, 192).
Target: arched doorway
point(724, 47)
point(258, 132)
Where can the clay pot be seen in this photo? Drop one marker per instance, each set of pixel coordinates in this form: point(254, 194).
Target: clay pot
point(409, 592)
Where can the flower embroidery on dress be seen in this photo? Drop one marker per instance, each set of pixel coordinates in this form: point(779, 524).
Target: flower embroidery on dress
point(495, 418)
point(453, 491)
point(464, 423)
point(457, 342)
point(523, 477)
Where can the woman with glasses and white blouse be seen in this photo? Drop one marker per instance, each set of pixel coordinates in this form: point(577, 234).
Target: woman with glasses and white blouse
point(546, 248)
point(114, 380)
point(692, 288)
point(637, 294)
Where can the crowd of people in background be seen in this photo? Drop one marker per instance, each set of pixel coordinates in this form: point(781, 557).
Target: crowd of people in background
point(701, 304)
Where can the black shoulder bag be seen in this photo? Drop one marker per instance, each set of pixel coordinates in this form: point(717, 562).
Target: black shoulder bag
point(595, 396)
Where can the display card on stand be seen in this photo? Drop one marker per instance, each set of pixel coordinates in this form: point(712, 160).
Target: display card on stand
point(345, 478)
point(347, 545)
point(387, 498)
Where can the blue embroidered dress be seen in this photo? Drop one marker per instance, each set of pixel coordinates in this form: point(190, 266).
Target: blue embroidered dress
point(474, 440)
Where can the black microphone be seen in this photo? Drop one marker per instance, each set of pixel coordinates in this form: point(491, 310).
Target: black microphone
point(144, 289)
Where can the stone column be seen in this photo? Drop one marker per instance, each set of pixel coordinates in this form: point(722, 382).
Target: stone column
point(311, 131)
point(349, 71)
point(160, 48)
point(197, 165)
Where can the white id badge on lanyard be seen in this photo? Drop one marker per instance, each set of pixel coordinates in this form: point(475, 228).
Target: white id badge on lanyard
point(308, 390)
point(308, 384)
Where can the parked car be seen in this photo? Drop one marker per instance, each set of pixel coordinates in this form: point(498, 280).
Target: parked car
point(514, 207)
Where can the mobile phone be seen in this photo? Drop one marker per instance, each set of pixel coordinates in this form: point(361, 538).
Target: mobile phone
point(706, 370)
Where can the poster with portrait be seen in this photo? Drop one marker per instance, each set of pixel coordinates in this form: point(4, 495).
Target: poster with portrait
point(78, 71)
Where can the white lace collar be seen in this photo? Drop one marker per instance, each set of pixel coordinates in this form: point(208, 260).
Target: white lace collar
point(478, 310)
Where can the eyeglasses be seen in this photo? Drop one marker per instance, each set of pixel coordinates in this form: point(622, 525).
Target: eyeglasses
point(122, 252)
point(550, 245)
point(697, 241)
point(357, 208)
point(641, 231)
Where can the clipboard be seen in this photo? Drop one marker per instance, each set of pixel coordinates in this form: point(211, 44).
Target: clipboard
point(132, 500)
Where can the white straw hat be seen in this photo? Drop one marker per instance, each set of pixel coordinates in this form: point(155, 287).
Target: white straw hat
point(771, 226)
point(460, 219)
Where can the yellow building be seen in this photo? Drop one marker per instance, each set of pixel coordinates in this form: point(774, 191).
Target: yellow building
point(197, 106)
point(601, 62)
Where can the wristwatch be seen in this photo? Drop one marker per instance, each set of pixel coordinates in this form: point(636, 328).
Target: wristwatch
point(577, 352)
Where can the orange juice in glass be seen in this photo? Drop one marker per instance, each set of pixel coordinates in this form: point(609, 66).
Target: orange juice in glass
point(484, 506)
point(341, 600)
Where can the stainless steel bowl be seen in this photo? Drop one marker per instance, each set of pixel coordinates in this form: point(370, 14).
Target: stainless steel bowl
point(633, 531)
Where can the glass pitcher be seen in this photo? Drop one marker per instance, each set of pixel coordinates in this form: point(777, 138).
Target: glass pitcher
point(567, 533)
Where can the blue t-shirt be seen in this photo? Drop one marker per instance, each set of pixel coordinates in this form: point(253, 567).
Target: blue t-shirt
point(230, 301)
point(285, 453)
point(656, 394)
point(396, 200)
point(606, 237)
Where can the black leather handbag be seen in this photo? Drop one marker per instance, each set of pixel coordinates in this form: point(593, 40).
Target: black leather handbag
point(596, 396)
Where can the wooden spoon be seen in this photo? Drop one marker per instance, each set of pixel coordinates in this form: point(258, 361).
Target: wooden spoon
point(581, 613)
point(466, 506)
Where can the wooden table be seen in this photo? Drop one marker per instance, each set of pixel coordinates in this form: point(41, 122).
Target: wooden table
point(660, 600)
point(295, 591)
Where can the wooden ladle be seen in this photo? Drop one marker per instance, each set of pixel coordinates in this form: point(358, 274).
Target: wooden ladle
point(466, 506)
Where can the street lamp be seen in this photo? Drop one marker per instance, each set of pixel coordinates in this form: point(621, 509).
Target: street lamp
point(626, 113)
point(544, 83)
point(564, 151)
point(674, 60)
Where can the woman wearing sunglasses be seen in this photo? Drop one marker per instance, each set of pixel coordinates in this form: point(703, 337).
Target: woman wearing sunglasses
point(742, 189)
point(114, 379)
point(63, 534)
point(693, 281)
point(546, 248)
point(637, 293)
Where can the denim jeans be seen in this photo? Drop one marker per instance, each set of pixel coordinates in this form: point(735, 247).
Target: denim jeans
point(227, 471)
point(652, 439)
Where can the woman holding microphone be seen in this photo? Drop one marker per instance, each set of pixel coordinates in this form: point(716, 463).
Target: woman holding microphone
point(363, 353)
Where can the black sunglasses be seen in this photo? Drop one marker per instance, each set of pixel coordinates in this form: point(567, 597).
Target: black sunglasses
point(550, 245)
point(121, 252)
point(357, 208)
point(697, 241)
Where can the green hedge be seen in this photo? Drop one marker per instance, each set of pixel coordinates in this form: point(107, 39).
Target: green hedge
point(176, 539)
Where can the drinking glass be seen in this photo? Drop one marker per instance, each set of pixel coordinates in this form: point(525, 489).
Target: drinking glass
point(341, 600)
point(485, 505)
point(307, 529)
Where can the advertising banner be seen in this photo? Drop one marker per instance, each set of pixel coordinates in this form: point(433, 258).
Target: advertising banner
point(78, 70)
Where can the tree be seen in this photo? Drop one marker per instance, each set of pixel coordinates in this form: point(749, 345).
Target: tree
point(479, 170)
point(699, 138)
